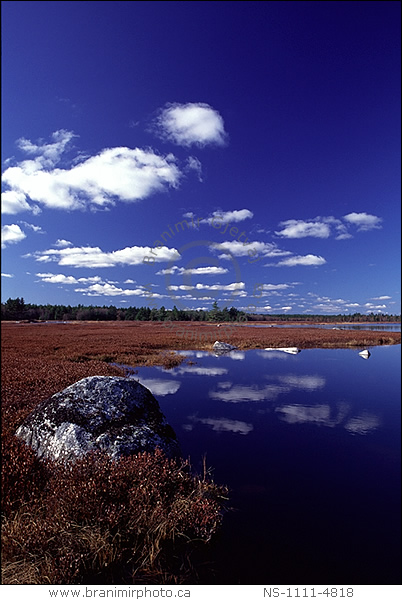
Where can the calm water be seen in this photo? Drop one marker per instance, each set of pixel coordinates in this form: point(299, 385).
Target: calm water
point(356, 326)
point(309, 445)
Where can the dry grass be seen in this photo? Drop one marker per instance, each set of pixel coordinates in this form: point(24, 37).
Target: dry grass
point(100, 521)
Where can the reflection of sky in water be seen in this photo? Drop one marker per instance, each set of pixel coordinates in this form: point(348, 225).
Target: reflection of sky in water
point(221, 383)
point(220, 424)
point(309, 445)
point(161, 387)
point(194, 370)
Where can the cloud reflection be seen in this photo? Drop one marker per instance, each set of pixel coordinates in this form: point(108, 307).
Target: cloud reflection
point(323, 415)
point(363, 424)
point(160, 387)
point(245, 393)
point(221, 425)
point(282, 384)
point(194, 370)
point(308, 383)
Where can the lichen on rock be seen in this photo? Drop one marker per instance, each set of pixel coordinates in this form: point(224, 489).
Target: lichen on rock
point(114, 414)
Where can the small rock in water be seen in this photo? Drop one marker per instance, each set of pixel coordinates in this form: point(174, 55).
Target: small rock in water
point(114, 414)
point(291, 350)
point(221, 347)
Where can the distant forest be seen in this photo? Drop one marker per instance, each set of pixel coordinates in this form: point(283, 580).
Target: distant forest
point(17, 310)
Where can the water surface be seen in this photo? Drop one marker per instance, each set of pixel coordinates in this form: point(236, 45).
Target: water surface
point(309, 445)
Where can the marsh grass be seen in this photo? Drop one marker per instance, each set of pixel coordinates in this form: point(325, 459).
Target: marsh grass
point(103, 521)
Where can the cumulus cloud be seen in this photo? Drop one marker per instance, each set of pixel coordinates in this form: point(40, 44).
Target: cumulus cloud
point(299, 229)
point(62, 243)
point(59, 278)
point(196, 271)
point(94, 286)
point(94, 257)
point(218, 287)
point(324, 227)
point(11, 234)
point(220, 217)
point(307, 260)
point(363, 221)
point(192, 123)
point(237, 248)
point(121, 173)
point(109, 289)
point(13, 202)
point(7, 275)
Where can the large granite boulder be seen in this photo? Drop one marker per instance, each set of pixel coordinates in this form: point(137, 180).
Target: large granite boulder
point(115, 414)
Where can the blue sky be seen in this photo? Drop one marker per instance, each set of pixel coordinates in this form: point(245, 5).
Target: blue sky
point(181, 153)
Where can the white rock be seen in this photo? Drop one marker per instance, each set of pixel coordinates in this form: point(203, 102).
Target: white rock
point(222, 347)
point(291, 350)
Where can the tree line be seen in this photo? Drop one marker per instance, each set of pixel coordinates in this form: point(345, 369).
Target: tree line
point(17, 310)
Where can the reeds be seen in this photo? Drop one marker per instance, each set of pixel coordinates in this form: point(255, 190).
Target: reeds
point(105, 521)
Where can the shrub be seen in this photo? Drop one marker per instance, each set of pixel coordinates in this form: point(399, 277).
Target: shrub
point(104, 521)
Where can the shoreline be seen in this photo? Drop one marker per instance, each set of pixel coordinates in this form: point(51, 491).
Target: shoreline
point(40, 359)
point(143, 343)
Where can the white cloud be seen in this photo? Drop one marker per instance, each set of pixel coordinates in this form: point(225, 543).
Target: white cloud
point(200, 286)
point(108, 289)
point(94, 285)
point(196, 271)
point(307, 260)
point(382, 298)
point(120, 173)
point(371, 306)
point(193, 164)
point(66, 279)
point(253, 249)
point(62, 244)
point(192, 123)
point(92, 258)
point(324, 227)
point(363, 221)
point(48, 154)
point(11, 234)
point(272, 286)
point(299, 229)
point(220, 217)
point(13, 202)
point(7, 275)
